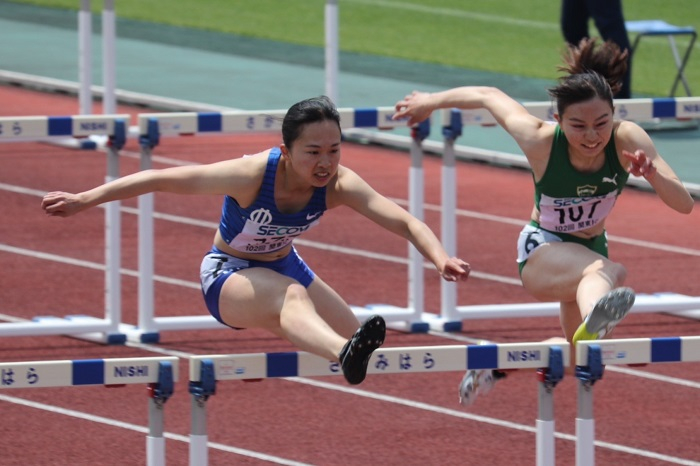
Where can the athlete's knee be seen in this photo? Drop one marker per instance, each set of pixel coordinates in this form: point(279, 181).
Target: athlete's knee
point(296, 294)
point(616, 272)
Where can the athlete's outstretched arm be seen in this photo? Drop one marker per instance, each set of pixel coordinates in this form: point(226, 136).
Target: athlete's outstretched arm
point(227, 177)
point(351, 190)
point(641, 158)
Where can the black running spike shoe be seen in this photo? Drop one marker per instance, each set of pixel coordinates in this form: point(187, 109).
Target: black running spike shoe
point(355, 355)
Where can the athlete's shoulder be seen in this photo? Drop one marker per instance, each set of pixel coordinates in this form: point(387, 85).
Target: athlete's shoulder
point(630, 136)
point(253, 163)
point(628, 131)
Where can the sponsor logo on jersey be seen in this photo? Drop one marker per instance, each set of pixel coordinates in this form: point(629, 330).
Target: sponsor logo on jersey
point(261, 216)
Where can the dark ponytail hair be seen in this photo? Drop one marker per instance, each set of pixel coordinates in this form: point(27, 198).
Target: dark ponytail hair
point(592, 71)
point(307, 111)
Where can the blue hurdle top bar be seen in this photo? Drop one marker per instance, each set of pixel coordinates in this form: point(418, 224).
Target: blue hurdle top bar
point(36, 127)
point(118, 371)
point(236, 121)
point(383, 361)
point(642, 350)
point(628, 109)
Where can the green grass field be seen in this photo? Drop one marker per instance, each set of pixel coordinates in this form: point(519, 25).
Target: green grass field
point(506, 36)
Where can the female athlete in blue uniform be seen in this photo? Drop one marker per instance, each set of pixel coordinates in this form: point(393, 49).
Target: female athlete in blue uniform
point(579, 167)
point(253, 276)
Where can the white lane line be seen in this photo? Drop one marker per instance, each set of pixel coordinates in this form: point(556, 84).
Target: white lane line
point(460, 414)
point(403, 202)
point(458, 13)
point(142, 429)
point(489, 420)
point(499, 20)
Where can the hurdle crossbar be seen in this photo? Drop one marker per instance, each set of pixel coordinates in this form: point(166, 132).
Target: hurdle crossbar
point(159, 373)
point(593, 356)
point(153, 126)
point(640, 110)
point(44, 128)
point(549, 359)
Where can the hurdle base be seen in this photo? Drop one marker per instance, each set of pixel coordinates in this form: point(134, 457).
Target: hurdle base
point(407, 320)
point(102, 338)
point(73, 143)
point(446, 325)
point(397, 318)
point(151, 332)
point(136, 335)
point(81, 327)
point(106, 337)
point(409, 327)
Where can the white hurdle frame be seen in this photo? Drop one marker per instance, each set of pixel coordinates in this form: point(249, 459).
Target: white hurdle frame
point(593, 356)
point(153, 126)
point(451, 315)
point(109, 99)
point(46, 128)
point(159, 373)
point(549, 359)
point(452, 121)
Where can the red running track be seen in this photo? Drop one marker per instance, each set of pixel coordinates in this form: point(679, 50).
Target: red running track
point(644, 416)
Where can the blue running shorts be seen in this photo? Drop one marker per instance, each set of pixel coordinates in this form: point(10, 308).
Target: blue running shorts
point(217, 266)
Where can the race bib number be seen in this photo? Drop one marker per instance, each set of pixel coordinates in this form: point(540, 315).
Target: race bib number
point(260, 238)
point(565, 215)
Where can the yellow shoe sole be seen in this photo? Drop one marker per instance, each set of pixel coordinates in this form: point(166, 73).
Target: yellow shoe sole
point(608, 311)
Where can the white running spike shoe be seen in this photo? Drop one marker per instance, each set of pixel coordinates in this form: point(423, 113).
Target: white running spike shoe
point(475, 383)
point(606, 314)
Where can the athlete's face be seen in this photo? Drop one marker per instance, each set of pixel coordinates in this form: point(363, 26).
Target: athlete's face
point(588, 126)
point(315, 155)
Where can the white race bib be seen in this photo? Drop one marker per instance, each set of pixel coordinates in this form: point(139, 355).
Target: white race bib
point(569, 214)
point(260, 238)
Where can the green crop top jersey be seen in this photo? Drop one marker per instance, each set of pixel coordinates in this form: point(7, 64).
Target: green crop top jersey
point(571, 201)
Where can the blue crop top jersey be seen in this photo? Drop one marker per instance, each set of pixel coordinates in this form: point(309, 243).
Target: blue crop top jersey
point(261, 228)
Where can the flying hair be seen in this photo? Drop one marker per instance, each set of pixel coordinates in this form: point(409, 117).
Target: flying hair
point(592, 70)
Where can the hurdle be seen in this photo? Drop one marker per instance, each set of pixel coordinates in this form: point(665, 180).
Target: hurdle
point(158, 372)
point(548, 359)
point(108, 56)
point(593, 356)
point(43, 128)
point(153, 126)
point(452, 121)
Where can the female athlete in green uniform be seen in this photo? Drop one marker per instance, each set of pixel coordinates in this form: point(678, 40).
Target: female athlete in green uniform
point(579, 166)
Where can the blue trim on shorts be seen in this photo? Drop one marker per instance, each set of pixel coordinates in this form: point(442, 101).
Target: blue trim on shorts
point(292, 266)
point(211, 297)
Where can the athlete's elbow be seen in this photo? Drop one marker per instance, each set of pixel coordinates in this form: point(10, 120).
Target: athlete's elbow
point(688, 207)
point(685, 206)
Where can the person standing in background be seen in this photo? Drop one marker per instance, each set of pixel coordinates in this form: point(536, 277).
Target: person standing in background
point(610, 22)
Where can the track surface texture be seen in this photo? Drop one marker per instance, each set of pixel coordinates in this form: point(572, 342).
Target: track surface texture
point(645, 416)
